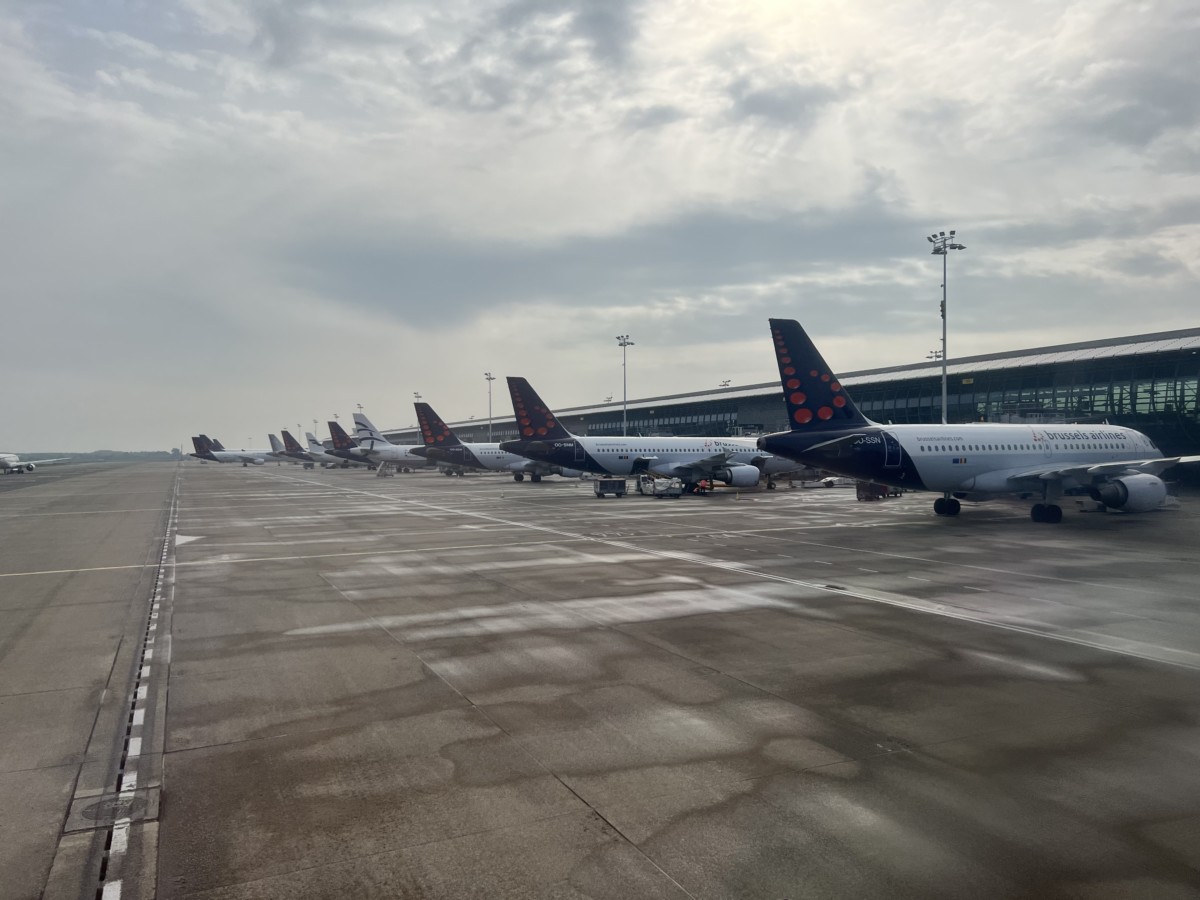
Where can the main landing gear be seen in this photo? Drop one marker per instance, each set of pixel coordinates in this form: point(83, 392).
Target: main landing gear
point(947, 506)
point(518, 476)
point(1049, 513)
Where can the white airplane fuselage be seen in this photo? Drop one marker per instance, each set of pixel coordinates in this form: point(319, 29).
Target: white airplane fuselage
point(975, 457)
point(685, 457)
point(248, 457)
point(377, 450)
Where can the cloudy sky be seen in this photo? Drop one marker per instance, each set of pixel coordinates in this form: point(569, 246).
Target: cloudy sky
point(233, 216)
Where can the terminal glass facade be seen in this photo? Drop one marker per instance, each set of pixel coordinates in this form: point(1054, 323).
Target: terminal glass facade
point(1155, 392)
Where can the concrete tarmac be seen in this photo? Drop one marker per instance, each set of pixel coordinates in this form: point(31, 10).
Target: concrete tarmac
point(78, 545)
point(438, 687)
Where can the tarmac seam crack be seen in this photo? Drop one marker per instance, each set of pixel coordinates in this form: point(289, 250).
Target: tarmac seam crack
point(515, 740)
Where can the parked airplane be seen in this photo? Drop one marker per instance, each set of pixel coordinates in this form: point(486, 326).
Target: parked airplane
point(205, 449)
point(377, 448)
point(293, 451)
point(444, 447)
point(278, 451)
point(1116, 466)
point(11, 462)
point(319, 454)
point(734, 461)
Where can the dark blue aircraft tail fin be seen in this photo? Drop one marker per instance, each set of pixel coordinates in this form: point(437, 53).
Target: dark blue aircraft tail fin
point(341, 440)
point(290, 444)
point(815, 400)
point(434, 431)
point(535, 420)
point(216, 445)
point(202, 444)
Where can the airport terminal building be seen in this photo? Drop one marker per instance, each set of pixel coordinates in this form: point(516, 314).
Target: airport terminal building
point(1148, 382)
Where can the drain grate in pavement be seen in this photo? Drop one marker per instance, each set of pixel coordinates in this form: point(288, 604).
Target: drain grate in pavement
point(103, 810)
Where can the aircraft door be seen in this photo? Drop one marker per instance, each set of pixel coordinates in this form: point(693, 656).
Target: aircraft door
point(892, 456)
point(580, 455)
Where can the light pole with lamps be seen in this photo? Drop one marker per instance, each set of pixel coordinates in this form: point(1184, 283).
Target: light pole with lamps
point(624, 343)
point(942, 245)
point(490, 378)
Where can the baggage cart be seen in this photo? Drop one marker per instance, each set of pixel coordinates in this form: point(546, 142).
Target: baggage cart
point(614, 486)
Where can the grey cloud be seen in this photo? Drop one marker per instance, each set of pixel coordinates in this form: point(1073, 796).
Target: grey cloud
point(608, 27)
point(653, 117)
point(1136, 107)
point(288, 34)
point(1114, 221)
point(436, 283)
point(794, 104)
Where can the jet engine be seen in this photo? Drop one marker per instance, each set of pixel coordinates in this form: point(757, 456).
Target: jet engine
point(569, 473)
point(1132, 493)
point(29, 467)
point(738, 476)
point(259, 462)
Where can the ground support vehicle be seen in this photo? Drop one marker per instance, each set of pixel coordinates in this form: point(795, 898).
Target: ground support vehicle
point(869, 490)
point(614, 486)
point(667, 487)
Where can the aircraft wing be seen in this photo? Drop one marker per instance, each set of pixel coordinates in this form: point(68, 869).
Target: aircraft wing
point(1088, 472)
point(701, 467)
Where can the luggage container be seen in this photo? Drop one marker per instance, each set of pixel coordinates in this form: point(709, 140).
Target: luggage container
point(614, 486)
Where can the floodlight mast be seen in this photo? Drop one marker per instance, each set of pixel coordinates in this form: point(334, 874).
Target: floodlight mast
point(624, 342)
point(942, 245)
point(490, 378)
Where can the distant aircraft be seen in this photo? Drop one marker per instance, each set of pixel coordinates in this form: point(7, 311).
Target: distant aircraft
point(733, 461)
point(11, 462)
point(317, 453)
point(374, 446)
point(344, 446)
point(1116, 466)
point(444, 447)
point(278, 451)
point(293, 450)
point(206, 449)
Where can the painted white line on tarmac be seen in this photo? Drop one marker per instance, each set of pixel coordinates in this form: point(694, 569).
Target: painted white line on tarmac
point(1171, 656)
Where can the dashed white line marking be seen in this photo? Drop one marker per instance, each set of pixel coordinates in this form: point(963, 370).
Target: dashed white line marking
point(139, 717)
point(135, 748)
